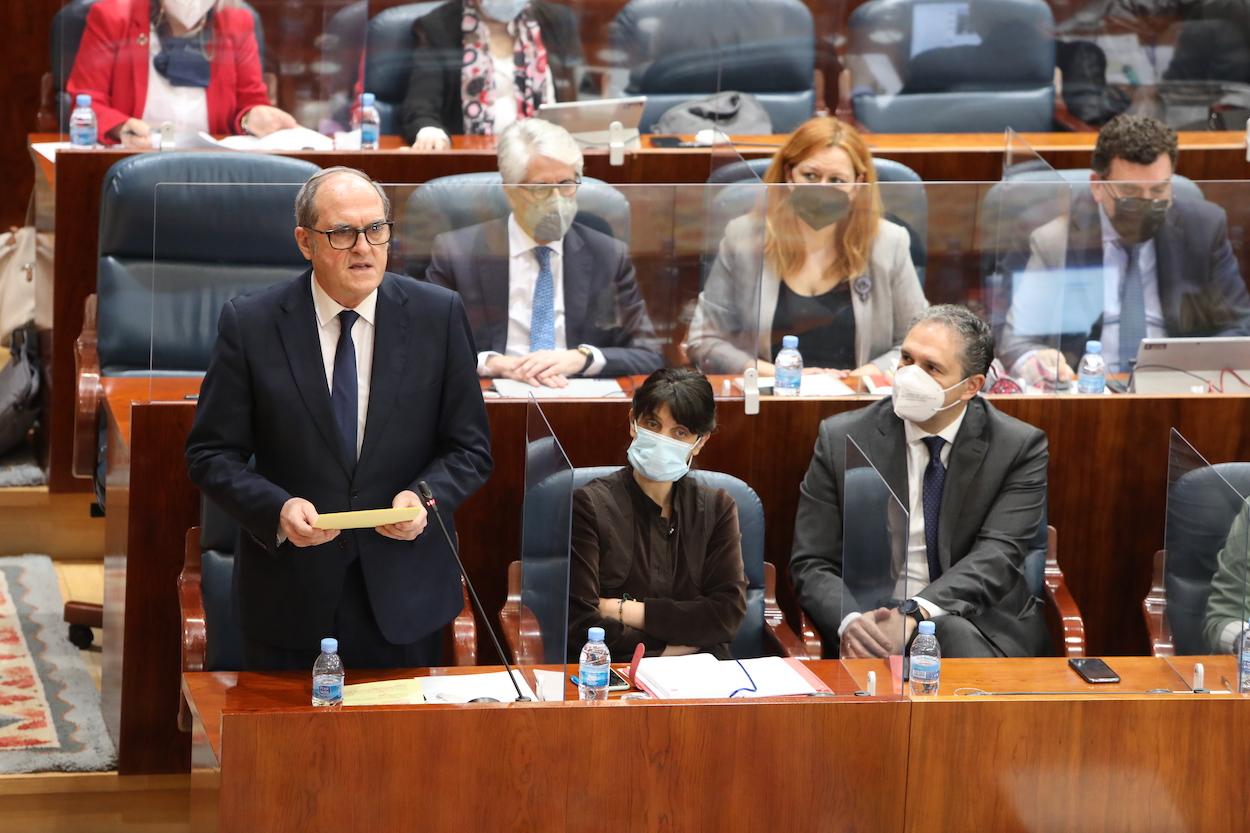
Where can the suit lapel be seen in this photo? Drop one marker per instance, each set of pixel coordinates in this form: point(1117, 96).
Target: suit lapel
point(576, 292)
point(1085, 234)
point(967, 453)
point(888, 452)
point(493, 275)
point(1169, 249)
point(297, 327)
point(391, 345)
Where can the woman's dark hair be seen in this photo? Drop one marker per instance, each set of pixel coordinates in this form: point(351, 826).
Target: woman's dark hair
point(687, 393)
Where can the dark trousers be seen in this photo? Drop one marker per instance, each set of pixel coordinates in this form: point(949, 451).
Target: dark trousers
point(361, 643)
point(960, 638)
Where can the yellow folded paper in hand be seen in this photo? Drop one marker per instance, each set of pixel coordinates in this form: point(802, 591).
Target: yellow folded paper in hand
point(367, 518)
point(385, 693)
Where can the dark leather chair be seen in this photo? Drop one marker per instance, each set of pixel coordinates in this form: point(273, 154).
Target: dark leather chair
point(212, 633)
point(169, 259)
point(1201, 508)
point(905, 204)
point(1006, 82)
point(678, 50)
point(763, 631)
point(68, 25)
point(389, 48)
point(452, 202)
point(868, 547)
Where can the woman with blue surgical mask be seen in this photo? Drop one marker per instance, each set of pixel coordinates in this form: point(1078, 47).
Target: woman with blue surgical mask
point(656, 555)
point(481, 65)
point(191, 64)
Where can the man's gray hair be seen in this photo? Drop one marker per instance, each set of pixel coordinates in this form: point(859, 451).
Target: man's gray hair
point(306, 199)
point(975, 335)
point(523, 140)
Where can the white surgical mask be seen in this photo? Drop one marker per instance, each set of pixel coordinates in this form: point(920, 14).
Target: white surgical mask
point(550, 219)
point(918, 396)
point(505, 11)
point(188, 12)
point(660, 458)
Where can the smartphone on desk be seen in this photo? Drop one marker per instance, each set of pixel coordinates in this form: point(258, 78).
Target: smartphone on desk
point(616, 681)
point(1093, 670)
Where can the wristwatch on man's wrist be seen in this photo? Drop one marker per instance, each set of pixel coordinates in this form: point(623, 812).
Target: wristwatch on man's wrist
point(585, 350)
point(911, 607)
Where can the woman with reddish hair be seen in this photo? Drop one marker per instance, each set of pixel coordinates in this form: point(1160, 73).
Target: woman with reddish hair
point(815, 259)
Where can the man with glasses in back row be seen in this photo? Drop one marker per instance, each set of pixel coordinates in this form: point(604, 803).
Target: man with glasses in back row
point(341, 390)
point(548, 296)
point(1168, 269)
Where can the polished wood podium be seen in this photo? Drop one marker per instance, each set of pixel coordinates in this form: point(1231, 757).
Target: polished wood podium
point(1069, 757)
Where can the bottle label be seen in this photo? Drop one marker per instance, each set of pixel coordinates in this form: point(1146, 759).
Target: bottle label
point(925, 668)
point(368, 134)
point(328, 688)
point(593, 676)
point(82, 135)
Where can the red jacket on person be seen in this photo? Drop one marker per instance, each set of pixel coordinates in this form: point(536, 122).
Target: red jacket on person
point(113, 64)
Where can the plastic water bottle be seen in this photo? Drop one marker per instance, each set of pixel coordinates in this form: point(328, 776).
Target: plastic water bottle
point(1091, 374)
point(592, 669)
point(1243, 684)
point(327, 683)
point(788, 368)
point(83, 130)
point(926, 661)
point(370, 122)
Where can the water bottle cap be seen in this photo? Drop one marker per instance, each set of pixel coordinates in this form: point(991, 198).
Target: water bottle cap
point(329, 645)
point(790, 342)
point(366, 99)
point(595, 634)
point(927, 628)
point(1093, 346)
point(83, 100)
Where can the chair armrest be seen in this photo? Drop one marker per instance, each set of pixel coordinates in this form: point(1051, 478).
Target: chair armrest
point(87, 614)
point(464, 631)
point(194, 646)
point(1154, 609)
point(811, 637)
point(1063, 116)
point(786, 641)
point(89, 393)
point(845, 109)
point(1071, 627)
point(521, 630)
point(48, 119)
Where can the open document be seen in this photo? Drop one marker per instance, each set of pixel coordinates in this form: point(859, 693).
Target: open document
point(576, 389)
point(703, 676)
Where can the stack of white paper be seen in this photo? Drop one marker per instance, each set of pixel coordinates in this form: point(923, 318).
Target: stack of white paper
point(461, 688)
point(576, 389)
point(702, 676)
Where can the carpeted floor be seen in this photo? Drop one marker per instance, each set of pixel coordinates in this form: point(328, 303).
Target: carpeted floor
point(50, 715)
point(19, 468)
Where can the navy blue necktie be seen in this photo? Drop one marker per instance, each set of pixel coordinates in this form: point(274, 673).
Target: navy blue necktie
point(1132, 309)
point(931, 501)
point(343, 396)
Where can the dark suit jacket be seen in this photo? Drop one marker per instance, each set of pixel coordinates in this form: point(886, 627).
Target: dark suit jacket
point(992, 504)
point(265, 396)
point(1201, 290)
point(433, 98)
point(602, 304)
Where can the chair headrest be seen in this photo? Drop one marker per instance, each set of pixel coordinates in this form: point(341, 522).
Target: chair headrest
point(389, 47)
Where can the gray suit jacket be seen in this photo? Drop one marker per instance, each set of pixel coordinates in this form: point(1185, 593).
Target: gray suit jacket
point(602, 304)
point(732, 324)
point(1201, 290)
point(992, 505)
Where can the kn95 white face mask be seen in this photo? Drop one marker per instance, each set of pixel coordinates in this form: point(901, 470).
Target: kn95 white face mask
point(917, 396)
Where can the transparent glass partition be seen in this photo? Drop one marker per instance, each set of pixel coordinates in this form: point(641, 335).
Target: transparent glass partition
point(1198, 604)
point(875, 573)
point(540, 633)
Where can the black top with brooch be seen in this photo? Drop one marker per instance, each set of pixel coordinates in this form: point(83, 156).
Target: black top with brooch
point(825, 325)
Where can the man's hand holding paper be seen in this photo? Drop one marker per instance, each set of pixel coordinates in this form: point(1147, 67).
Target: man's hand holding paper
point(405, 530)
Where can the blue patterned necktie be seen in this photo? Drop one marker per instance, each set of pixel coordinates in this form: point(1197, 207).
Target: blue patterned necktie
point(931, 501)
point(343, 397)
point(543, 314)
point(1132, 309)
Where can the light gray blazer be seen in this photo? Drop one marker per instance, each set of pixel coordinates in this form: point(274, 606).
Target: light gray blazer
point(732, 324)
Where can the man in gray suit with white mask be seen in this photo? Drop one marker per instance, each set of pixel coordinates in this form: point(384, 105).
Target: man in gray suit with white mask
point(974, 482)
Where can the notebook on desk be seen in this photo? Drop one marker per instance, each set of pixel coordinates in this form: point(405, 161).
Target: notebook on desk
point(703, 677)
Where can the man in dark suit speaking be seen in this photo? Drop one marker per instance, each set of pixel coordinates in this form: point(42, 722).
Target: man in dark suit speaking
point(548, 297)
point(974, 483)
point(341, 390)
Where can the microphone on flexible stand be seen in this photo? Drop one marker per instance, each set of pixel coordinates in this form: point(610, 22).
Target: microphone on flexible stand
point(427, 497)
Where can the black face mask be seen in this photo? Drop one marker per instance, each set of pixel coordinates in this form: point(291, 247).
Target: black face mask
point(819, 205)
point(1138, 219)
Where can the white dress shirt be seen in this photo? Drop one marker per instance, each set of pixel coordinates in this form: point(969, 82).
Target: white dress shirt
point(328, 328)
point(1114, 264)
point(522, 279)
point(915, 573)
point(186, 108)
